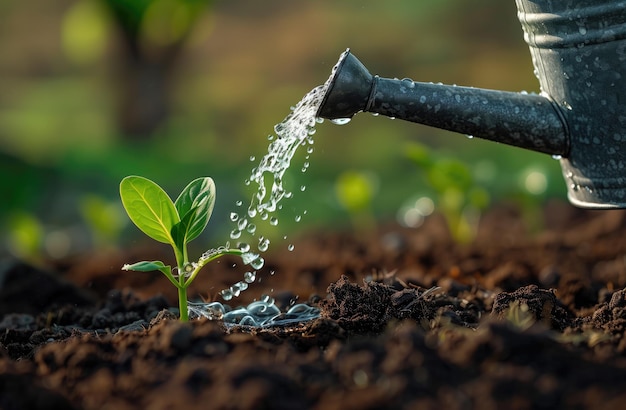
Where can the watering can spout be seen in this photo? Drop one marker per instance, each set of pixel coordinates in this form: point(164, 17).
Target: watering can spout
point(524, 120)
point(578, 49)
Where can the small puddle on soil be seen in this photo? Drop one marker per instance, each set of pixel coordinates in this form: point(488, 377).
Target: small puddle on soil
point(262, 313)
point(294, 131)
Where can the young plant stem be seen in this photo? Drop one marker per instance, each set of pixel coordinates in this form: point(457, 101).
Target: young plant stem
point(182, 304)
point(181, 262)
point(184, 281)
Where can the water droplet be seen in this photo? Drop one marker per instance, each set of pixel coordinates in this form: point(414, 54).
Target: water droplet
point(279, 128)
point(407, 82)
point(251, 228)
point(340, 121)
point(234, 216)
point(235, 234)
point(290, 247)
point(298, 218)
point(227, 294)
point(238, 203)
point(273, 221)
point(303, 188)
point(243, 285)
point(258, 262)
point(244, 247)
point(470, 136)
point(582, 30)
point(557, 157)
point(264, 244)
point(252, 158)
point(242, 223)
point(249, 277)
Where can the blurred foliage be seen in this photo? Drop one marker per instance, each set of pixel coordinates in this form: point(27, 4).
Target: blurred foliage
point(463, 190)
point(457, 194)
point(356, 191)
point(240, 65)
point(104, 218)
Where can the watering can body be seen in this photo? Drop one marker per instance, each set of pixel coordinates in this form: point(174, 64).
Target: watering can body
point(578, 48)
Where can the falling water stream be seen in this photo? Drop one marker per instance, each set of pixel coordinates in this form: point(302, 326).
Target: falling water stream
point(295, 131)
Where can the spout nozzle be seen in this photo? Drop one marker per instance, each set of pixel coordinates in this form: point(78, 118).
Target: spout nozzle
point(348, 90)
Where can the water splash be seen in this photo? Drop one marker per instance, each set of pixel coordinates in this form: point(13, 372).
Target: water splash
point(262, 313)
point(296, 130)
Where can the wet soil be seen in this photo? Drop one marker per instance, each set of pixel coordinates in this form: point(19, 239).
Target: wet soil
point(516, 319)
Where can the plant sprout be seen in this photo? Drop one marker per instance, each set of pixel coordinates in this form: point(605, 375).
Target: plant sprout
point(458, 196)
point(176, 223)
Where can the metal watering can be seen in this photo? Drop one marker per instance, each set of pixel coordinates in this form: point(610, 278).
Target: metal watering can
point(578, 48)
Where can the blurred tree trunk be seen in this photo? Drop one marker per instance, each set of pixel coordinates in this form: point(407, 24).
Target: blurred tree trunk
point(152, 38)
point(144, 90)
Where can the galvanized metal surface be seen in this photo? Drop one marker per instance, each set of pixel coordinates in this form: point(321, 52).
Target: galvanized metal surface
point(578, 49)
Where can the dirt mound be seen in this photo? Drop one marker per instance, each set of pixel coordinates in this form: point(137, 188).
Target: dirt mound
point(409, 318)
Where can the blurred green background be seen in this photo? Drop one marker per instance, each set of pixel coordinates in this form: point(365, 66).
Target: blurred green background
point(94, 90)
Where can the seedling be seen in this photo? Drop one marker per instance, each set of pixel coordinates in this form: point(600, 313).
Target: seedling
point(458, 196)
point(175, 223)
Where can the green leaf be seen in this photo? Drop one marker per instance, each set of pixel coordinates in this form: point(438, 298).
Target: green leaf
point(195, 206)
point(146, 266)
point(181, 229)
point(149, 207)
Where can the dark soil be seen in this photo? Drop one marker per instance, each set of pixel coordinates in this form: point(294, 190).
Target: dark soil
point(410, 319)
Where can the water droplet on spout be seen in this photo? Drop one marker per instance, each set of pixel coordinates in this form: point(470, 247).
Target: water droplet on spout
point(407, 82)
point(340, 121)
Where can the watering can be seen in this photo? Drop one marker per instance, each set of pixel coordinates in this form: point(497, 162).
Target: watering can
point(578, 49)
